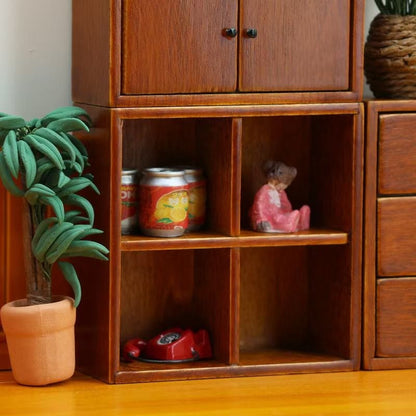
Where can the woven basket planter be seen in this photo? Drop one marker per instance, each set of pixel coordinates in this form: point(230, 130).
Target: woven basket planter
point(390, 56)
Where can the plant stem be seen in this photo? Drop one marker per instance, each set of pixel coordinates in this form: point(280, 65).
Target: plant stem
point(38, 282)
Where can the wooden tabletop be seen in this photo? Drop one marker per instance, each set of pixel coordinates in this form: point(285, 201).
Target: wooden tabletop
point(351, 393)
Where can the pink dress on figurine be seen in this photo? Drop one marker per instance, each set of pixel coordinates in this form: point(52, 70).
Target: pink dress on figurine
point(271, 210)
point(274, 207)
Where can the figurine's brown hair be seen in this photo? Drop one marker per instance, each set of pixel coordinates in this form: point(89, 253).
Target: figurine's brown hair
point(280, 171)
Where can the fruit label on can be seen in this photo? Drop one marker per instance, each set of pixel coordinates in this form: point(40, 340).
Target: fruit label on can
point(128, 207)
point(163, 207)
point(197, 202)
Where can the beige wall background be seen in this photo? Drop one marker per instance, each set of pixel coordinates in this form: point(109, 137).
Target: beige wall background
point(35, 51)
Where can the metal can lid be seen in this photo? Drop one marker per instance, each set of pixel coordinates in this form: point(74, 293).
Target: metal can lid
point(129, 172)
point(165, 172)
point(190, 170)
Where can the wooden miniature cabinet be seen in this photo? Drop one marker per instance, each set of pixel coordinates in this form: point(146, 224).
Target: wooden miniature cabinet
point(390, 242)
point(272, 303)
point(140, 52)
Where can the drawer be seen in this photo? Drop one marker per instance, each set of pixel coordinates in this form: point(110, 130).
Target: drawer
point(397, 154)
point(396, 317)
point(396, 236)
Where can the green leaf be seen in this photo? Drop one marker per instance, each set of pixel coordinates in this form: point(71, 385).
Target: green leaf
point(11, 153)
point(36, 191)
point(67, 125)
point(82, 202)
point(71, 277)
point(12, 122)
point(56, 204)
point(7, 179)
point(77, 184)
point(66, 112)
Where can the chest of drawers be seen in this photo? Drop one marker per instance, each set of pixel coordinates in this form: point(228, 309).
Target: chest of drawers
point(390, 236)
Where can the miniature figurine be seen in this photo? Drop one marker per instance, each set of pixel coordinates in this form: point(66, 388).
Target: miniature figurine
point(272, 211)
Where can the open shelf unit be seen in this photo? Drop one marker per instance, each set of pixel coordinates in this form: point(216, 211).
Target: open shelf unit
point(272, 303)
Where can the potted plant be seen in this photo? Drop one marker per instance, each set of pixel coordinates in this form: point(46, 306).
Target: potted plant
point(390, 50)
point(42, 162)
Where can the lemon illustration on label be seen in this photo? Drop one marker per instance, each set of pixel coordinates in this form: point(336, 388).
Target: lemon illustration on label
point(172, 207)
point(197, 199)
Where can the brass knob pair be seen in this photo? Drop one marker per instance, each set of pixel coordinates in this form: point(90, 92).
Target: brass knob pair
point(232, 32)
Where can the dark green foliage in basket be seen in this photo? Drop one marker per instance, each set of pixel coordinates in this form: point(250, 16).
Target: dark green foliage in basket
point(399, 7)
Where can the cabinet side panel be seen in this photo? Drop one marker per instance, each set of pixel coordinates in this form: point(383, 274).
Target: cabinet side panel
point(94, 320)
point(91, 70)
point(369, 241)
point(12, 278)
point(4, 362)
point(2, 245)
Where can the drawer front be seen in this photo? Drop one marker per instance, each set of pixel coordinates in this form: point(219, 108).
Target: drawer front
point(396, 236)
point(397, 154)
point(396, 317)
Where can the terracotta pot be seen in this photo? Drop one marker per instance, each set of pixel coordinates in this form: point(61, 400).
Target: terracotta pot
point(40, 340)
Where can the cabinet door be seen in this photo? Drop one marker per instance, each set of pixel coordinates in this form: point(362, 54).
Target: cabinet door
point(301, 45)
point(178, 46)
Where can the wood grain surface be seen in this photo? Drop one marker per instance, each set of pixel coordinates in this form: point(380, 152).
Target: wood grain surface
point(381, 393)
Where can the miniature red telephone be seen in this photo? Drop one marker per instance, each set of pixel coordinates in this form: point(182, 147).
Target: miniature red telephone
point(173, 345)
point(132, 349)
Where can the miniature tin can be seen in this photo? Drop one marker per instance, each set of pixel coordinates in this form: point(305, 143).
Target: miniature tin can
point(129, 197)
point(163, 202)
point(197, 189)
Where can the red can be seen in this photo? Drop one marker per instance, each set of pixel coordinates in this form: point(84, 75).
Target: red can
point(197, 197)
point(129, 207)
point(163, 202)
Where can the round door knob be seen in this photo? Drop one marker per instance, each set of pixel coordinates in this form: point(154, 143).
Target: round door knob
point(230, 32)
point(251, 33)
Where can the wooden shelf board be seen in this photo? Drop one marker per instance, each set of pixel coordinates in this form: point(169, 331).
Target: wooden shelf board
point(246, 239)
point(141, 366)
point(138, 371)
point(259, 362)
point(282, 356)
